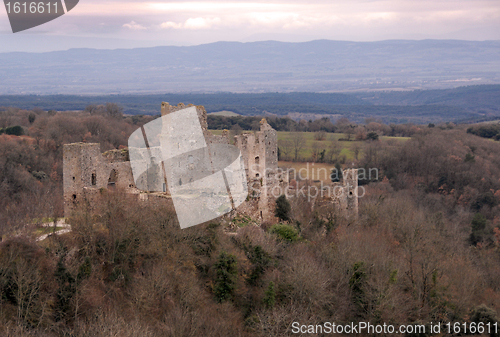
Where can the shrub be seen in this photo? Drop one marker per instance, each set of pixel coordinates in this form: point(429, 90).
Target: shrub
point(320, 135)
point(478, 222)
point(283, 208)
point(484, 314)
point(65, 292)
point(478, 226)
point(15, 130)
point(336, 173)
point(372, 136)
point(31, 118)
point(357, 284)
point(285, 232)
point(85, 269)
point(261, 260)
point(485, 199)
point(469, 158)
point(40, 175)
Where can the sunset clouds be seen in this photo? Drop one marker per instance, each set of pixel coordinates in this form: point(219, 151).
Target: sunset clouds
point(194, 22)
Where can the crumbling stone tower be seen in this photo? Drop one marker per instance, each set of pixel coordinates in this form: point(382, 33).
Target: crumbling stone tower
point(259, 151)
point(344, 195)
point(351, 186)
point(86, 171)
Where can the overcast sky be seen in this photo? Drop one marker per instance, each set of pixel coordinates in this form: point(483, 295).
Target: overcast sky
point(128, 24)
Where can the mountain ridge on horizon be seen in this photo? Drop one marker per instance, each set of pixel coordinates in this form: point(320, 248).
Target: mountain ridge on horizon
point(257, 42)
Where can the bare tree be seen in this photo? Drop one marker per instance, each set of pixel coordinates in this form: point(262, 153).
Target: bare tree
point(316, 152)
point(343, 124)
point(91, 108)
point(28, 282)
point(349, 131)
point(356, 149)
point(298, 142)
point(114, 110)
point(236, 129)
point(286, 149)
point(110, 109)
point(320, 135)
point(334, 150)
point(360, 133)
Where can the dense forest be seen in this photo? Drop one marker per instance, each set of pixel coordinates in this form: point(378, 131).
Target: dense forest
point(425, 247)
point(279, 124)
point(464, 104)
point(486, 130)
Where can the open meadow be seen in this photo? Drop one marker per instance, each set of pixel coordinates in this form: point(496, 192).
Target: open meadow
point(309, 148)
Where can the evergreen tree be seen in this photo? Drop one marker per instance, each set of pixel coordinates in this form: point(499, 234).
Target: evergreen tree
point(66, 290)
point(226, 269)
point(283, 208)
point(269, 296)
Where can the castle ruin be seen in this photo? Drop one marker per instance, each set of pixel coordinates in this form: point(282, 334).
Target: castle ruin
point(87, 172)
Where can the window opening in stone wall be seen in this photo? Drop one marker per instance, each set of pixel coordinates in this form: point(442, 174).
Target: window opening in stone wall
point(113, 178)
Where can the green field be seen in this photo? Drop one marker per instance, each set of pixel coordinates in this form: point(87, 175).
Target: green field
point(306, 153)
point(309, 144)
point(224, 113)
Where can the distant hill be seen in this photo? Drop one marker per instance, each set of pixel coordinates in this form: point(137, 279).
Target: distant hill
point(269, 66)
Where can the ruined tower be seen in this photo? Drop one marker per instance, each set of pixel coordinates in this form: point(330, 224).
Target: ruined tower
point(344, 195)
point(86, 171)
point(259, 151)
